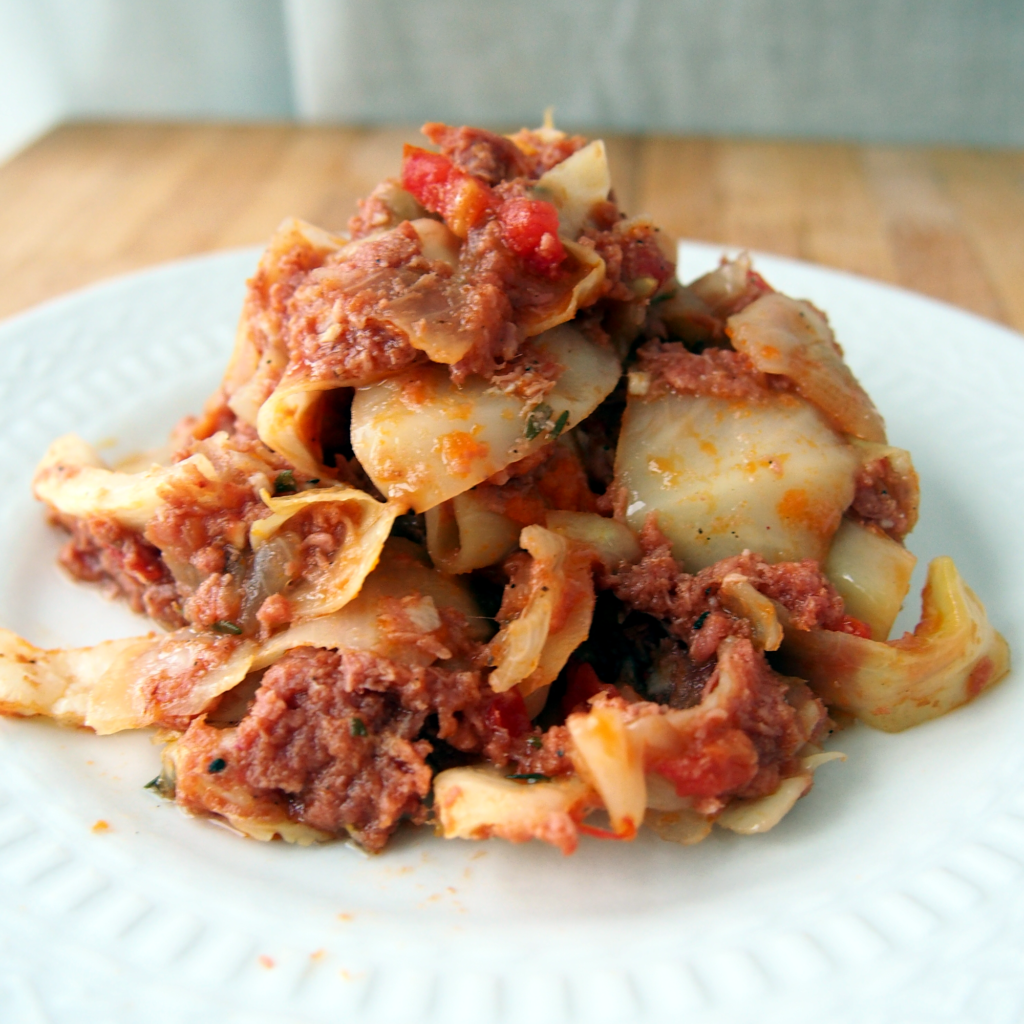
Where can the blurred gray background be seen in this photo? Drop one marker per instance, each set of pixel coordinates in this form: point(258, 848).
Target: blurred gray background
point(930, 71)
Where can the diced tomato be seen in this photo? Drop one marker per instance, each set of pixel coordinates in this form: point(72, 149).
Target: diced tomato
point(529, 227)
point(508, 711)
point(722, 764)
point(583, 684)
point(855, 627)
point(462, 200)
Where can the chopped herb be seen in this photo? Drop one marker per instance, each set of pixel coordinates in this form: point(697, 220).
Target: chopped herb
point(315, 480)
point(537, 420)
point(536, 742)
point(357, 727)
point(560, 423)
point(699, 621)
point(159, 785)
point(662, 297)
point(285, 483)
point(218, 764)
point(529, 777)
point(223, 626)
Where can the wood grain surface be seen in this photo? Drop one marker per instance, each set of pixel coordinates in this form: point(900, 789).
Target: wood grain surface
point(92, 200)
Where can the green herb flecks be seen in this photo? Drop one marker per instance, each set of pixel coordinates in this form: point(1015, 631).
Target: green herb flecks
point(218, 764)
point(357, 727)
point(700, 620)
point(538, 420)
point(536, 742)
point(529, 777)
point(284, 483)
point(223, 626)
point(161, 786)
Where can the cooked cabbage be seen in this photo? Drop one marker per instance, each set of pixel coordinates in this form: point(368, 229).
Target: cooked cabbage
point(724, 475)
point(422, 440)
point(479, 802)
point(532, 649)
point(952, 656)
point(872, 574)
point(790, 337)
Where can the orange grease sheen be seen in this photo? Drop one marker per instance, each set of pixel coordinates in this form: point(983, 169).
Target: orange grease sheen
point(817, 516)
point(460, 450)
point(979, 677)
point(416, 392)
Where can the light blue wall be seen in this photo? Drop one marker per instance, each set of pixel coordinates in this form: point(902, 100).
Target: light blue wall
point(139, 58)
point(895, 70)
point(881, 70)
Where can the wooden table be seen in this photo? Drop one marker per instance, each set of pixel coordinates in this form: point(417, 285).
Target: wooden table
point(92, 200)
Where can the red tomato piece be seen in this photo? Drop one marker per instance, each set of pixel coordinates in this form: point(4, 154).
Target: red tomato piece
point(722, 764)
point(508, 711)
point(529, 227)
point(855, 627)
point(443, 188)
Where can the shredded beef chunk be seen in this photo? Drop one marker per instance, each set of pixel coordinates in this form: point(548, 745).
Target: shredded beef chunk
point(342, 740)
point(489, 157)
point(217, 599)
point(636, 263)
point(498, 290)
point(334, 328)
point(688, 603)
point(746, 747)
point(336, 732)
point(105, 552)
point(498, 728)
point(885, 498)
point(545, 149)
point(716, 372)
point(270, 289)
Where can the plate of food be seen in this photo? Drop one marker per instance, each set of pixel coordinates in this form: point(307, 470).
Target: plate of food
point(526, 624)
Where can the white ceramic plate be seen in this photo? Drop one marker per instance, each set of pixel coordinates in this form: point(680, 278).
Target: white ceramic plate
point(891, 893)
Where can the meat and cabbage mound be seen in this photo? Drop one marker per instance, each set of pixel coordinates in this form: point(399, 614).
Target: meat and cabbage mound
point(493, 524)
